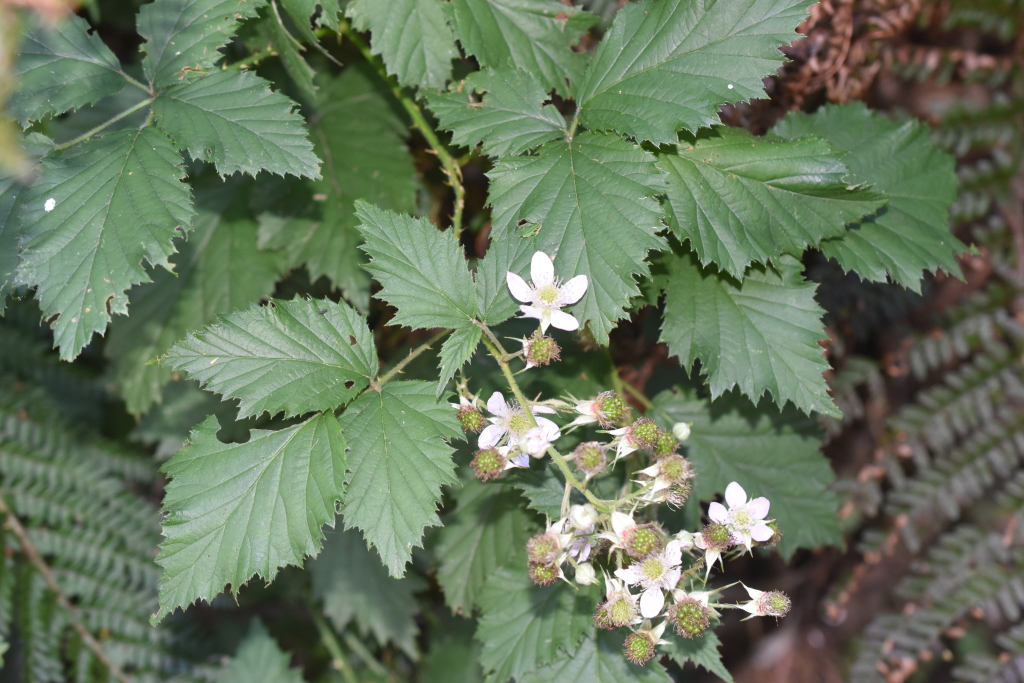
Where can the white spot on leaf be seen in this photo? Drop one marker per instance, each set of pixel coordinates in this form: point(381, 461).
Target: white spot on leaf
point(50, 203)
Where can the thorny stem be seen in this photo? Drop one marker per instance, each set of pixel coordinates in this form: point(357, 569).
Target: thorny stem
point(85, 136)
point(378, 383)
point(32, 553)
point(338, 660)
point(448, 162)
point(559, 459)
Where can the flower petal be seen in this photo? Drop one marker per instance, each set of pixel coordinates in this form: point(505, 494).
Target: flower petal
point(718, 513)
point(735, 496)
point(573, 290)
point(621, 521)
point(490, 437)
point(549, 428)
point(517, 285)
point(542, 270)
point(543, 409)
point(521, 460)
point(496, 404)
point(671, 578)
point(759, 507)
point(673, 553)
point(651, 602)
point(629, 574)
point(564, 321)
point(532, 312)
point(761, 533)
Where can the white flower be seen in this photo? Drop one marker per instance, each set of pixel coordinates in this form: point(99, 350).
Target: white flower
point(583, 517)
point(510, 420)
point(537, 439)
point(585, 574)
point(681, 430)
point(621, 523)
point(655, 573)
point(547, 296)
point(744, 519)
point(711, 554)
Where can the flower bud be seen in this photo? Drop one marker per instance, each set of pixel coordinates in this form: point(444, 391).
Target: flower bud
point(641, 541)
point(543, 548)
point(681, 430)
point(544, 574)
point(471, 419)
point(689, 617)
point(585, 574)
point(590, 457)
point(644, 432)
point(639, 648)
point(540, 350)
point(487, 464)
point(582, 517)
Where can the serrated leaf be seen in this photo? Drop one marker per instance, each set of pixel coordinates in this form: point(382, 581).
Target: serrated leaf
point(419, 49)
point(218, 269)
point(494, 301)
point(702, 651)
point(233, 119)
point(770, 454)
point(487, 529)
point(760, 334)
point(535, 36)
point(358, 134)
point(350, 580)
point(235, 510)
point(399, 461)
point(271, 26)
point(422, 271)
point(599, 660)
point(911, 234)
point(303, 10)
point(60, 67)
point(740, 198)
point(183, 37)
point(542, 487)
point(456, 351)
point(508, 120)
point(260, 660)
point(117, 200)
point(11, 224)
point(524, 626)
point(669, 65)
point(591, 200)
point(289, 356)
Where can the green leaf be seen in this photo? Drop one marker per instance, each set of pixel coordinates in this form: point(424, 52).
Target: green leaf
point(542, 487)
point(591, 199)
point(456, 351)
point(599, 660)
point(739, 198)
point(183, 37)
point(399, 461)
point(362, 142)
point(61, 67)
point(422, 271)
point(260, 660)
point(217, 271)
point(287, 48)
point(535, 36)
point(759, 334)
point(702, 651)
point(911, 234)
point(768, 453)
point(350, 580)
point(234, 510)
point(419, 48)
point(669, 65)
point(487, 529)
point(117, 200)
point(290, 356)
point(494, 301)
point(524, 626)
point(233, 119)
point(302, 10)
point(454, 655)
point(509, 120)
point(11, 225)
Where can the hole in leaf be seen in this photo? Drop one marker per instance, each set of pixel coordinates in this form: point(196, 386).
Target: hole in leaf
point(352, 339)
point(521, 222)
point(349, 384)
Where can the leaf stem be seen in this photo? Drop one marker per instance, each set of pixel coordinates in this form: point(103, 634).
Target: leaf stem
point(448, 162)
point(32, 553)
point(364, 654)
point(138, 84)
point(378, 383)
point(252, 59)
point(338, 660)
point(85, 136)
point(559, 459)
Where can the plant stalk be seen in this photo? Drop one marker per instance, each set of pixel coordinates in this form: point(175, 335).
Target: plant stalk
point(378, 383)
point(103, 126)
point(338, 659)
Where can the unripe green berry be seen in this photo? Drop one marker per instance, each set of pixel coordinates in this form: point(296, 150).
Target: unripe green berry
point(487, 464)
point(689, 617)
point(610, 408)
point(615, 613)
point(639, 648)
point(471, 419)
point(717, 537)
point(645, 432)
point(543, 574)
point(774, 604)
point(590, 457)
point(543, 548)
point(641, 541)
point(665, 445)
point(541, 350)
